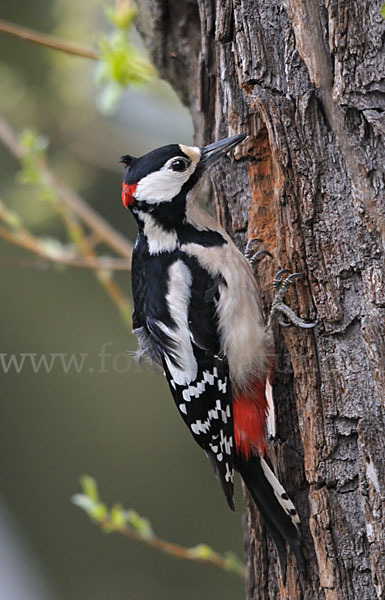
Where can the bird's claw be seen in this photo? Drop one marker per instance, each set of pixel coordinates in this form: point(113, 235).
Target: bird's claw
point(284, 323)
point(281, 285)
point(253, 255)
point(258, 256)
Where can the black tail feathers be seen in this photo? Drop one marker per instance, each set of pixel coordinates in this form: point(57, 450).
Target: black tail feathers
point(277, 510)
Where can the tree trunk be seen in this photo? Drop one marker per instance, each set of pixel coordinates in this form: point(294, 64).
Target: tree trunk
point(306, 80)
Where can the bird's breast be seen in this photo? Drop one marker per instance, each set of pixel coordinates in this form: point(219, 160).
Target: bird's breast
point(244, 339)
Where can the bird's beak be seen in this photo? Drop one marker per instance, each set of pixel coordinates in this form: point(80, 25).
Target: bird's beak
point(211, 153)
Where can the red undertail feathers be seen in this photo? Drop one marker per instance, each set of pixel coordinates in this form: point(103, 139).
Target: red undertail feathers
point(250, 409)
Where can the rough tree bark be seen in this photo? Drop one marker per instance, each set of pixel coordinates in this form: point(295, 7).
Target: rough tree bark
point(306, 80)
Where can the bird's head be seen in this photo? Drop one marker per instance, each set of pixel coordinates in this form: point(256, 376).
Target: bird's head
point(162, 179)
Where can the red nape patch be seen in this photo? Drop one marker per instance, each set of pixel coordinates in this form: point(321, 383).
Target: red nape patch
point(128, 192)
point(249, 412)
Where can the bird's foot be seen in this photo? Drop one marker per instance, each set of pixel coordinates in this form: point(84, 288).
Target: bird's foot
point(253, 254)
point(281, 285)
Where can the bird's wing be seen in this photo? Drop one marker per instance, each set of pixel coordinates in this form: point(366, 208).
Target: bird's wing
point(185, 333)
point(205, 404)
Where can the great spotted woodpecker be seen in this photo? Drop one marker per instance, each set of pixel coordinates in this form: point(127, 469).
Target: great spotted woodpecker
point(197, 312)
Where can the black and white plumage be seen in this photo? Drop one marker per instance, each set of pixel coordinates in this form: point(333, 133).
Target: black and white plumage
point(175, 321)
point(197, 312)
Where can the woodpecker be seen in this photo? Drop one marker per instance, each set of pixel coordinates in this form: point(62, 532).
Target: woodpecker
point(198, 314)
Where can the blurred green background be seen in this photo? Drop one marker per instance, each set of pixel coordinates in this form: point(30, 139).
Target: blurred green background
point(120, 427)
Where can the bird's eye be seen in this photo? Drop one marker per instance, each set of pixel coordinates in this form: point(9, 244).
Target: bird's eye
point(179, 164)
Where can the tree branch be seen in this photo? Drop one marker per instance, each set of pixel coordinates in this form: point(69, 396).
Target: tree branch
point(88, 215)
point(194, 554)
point(73, 210)
point(46, 40)
point(131, 525)
point(35, 245)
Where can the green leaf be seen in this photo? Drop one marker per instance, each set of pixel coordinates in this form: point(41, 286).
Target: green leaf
point(122, 15)
point(95, 510)
point(127, 521)
point(234, 564)
point(203, 551)
point(99, 512)
point(117, 516)
point(35, 146)
point(140, 524)
point(53, 246)
point(90, 487)
point(83, 502)
point(33, 142)
point(383, 11)
point(122, 63)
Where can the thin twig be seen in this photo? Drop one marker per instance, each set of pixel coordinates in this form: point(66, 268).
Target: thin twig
point(104, 263)
point(88, 215)
point(176, 550)
point(130, 524)
point(72, 210)
point(40, 262)
point(46, 40)
point(23, 238)
point(110, 286)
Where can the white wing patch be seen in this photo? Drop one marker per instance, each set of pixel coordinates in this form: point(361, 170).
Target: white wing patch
point(178, 298)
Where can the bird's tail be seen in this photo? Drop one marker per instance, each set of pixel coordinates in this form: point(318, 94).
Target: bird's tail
point(275, 506)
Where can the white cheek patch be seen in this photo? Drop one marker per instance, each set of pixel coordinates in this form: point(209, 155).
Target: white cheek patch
point(165, 184)
point(160, 186)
